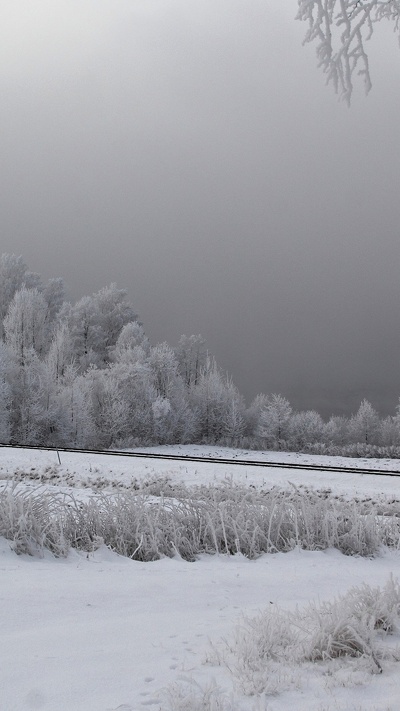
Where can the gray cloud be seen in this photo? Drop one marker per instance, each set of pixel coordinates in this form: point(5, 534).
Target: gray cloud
point(191, 153)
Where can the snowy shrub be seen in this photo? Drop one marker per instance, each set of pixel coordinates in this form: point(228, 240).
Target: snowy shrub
point(267, 649)
point(359, 450)
point(188, 695)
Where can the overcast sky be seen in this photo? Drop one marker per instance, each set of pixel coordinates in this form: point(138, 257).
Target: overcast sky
point(190, 151)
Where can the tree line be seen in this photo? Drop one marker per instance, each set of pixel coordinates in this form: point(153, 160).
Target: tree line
point(86, 375)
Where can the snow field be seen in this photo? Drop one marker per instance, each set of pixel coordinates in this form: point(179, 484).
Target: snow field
point(96, 631)
point(95, 471)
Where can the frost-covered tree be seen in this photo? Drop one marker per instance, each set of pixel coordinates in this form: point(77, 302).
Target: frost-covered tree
point(61, 353)
point(191, 355)
point(340, 29)
point(12, 272)
point(336, 430)
point(274, 425)
point(95, 322)
point(75, 403)
point(233, 420)
point(53, 293)
point(109, 408)
point(364, 425)
point(33, 280)
point(305, 428)
point(114, 312)
point(172, 414)
point(164, 367)
point(389, 431)
point(132, 344)
point(253, 414)
point(5, 395)
point(81, 322)
point(31, 404)
point(26, 323)
point(14, 275)
point(218, 407)
point(164, 418)
point(135, 387)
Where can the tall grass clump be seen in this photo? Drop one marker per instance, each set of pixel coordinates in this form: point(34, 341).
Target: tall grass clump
point(214, 519)
point(33, 523)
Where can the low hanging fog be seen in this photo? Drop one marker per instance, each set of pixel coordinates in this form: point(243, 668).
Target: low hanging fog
point(191, 153)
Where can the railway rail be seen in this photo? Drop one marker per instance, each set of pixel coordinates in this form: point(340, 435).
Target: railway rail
point(213, 460)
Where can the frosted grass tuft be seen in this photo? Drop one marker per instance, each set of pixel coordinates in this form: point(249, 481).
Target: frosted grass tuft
point(190, 521)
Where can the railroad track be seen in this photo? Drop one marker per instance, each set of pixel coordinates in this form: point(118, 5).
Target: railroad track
point(213, 460)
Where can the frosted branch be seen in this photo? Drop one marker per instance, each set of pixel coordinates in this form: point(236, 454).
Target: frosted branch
point(340, 28)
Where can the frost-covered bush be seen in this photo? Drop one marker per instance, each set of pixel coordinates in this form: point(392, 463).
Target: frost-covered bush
point(355, 451)
point(349, 625)
point(267, 649)
point(188, 695)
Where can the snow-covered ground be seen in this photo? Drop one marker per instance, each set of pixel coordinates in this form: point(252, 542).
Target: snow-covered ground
point(98, 632)
point(108, 472)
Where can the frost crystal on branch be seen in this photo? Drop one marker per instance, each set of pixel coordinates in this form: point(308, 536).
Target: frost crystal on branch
point(340, 28)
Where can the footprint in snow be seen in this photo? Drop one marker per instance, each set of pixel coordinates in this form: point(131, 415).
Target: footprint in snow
point(150, 702)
